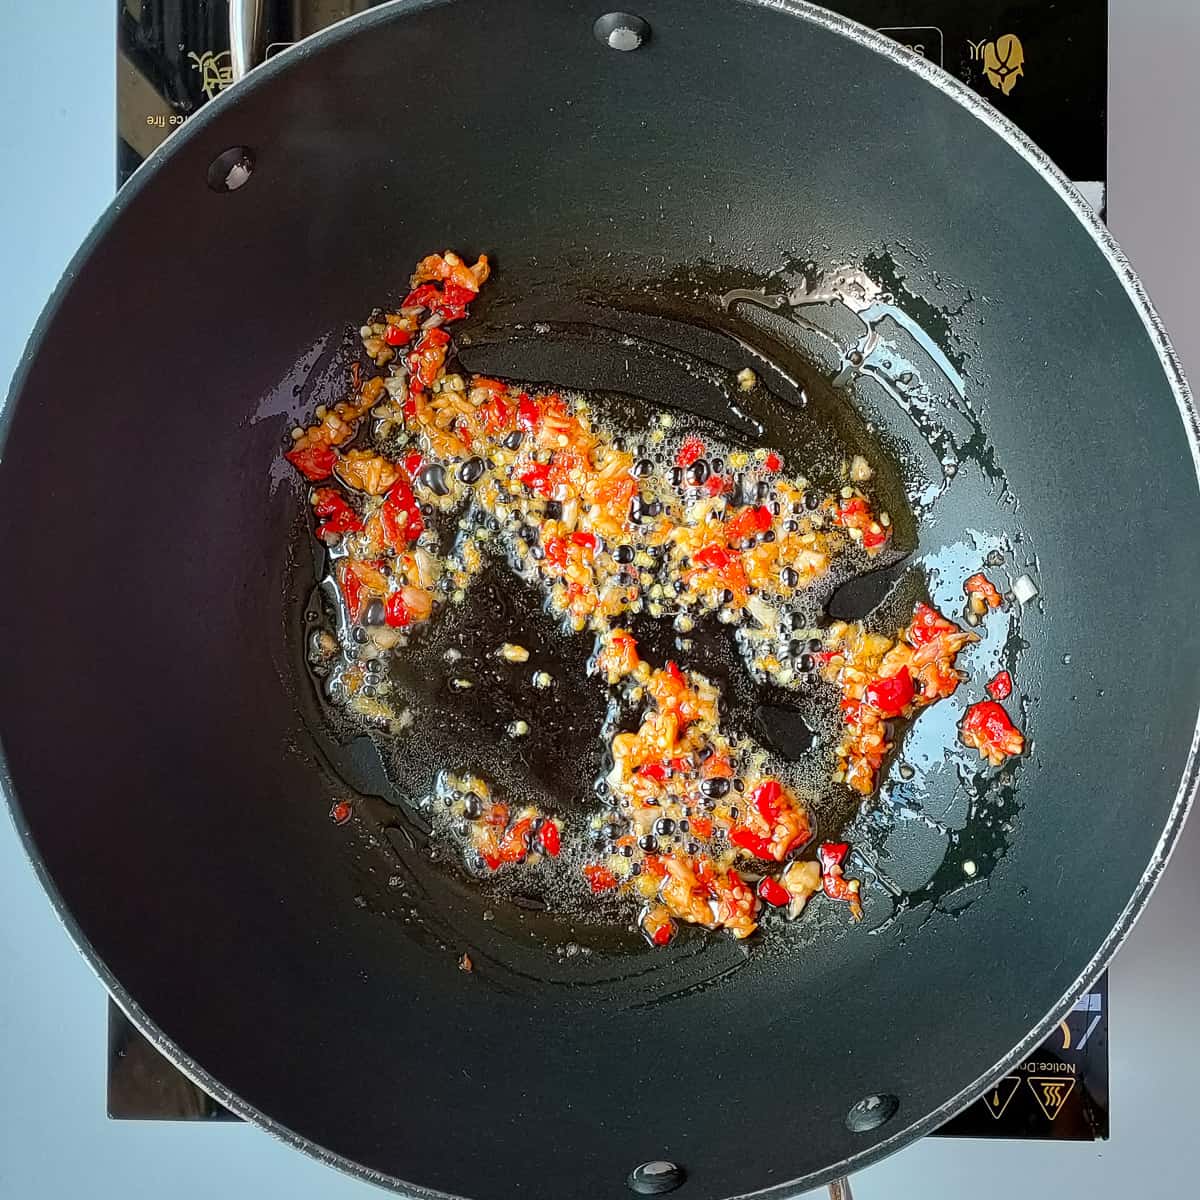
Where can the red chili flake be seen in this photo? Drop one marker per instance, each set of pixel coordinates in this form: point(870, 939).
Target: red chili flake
point(395, 336)
point(600, 879)
point(549, 839)
point(693, 448)
point(702, 826)
point(537, 479)
point(400, 497)
point(341, 812)
point(765, 798)
point(663, 934)
point(773, 461)
point(713, 556)
point(773, 892)
point(748, 522)
point(655, 771)
point(465, 963)
point(1001, 686)
point(676, 675)
point(747, 839)
point(422, 296)
point(515, 845)
point(413, 462)
point(714, 485)
point(989, 730)
point(873, 539)
point(314, 462)
point(586, 540)
point(831, 856)
point(455, 299)
point(339, 516)
point(981, 586)
point(395, 612)
point(928, 624)
point(556, 551)
point(425, 359)
point(890, 695)
point(497, 413)
point(351, 588)
point(529, 415)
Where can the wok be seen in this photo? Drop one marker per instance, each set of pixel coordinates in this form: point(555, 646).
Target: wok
point(166, 759)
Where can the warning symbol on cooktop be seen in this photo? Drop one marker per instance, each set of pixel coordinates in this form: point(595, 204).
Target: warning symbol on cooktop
point(999, 1094)
point(1051, 1094)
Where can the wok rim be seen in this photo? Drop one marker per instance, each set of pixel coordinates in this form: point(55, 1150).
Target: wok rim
point(1018, 140)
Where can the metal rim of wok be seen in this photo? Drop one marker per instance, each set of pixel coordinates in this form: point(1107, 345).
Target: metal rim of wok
point(959, 92)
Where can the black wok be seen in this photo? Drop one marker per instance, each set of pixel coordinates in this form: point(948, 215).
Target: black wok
point(168, 768)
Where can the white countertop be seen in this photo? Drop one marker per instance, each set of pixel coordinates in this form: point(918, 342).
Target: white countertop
point(57, 134)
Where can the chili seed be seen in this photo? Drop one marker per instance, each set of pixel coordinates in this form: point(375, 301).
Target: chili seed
point(471, 471)
point(714, 789)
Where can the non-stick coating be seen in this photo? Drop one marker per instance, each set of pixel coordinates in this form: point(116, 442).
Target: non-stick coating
point(157, 755)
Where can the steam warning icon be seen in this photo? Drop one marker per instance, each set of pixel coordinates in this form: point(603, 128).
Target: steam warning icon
point(1051, 1094)
point(999, 1094)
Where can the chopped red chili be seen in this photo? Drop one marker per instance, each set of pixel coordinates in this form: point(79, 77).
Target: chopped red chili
point(773, 892)
point(341, 812)
point(395, 336)
point(1000, 686)
point(314, 462)
point(891, 695)
point(395, 611)
point(982, 586)
point(338, 516)
point(692, 449)
point(548, 837)
point(600, 879)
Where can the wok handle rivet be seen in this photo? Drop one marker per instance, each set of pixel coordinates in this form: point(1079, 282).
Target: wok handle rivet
point(656, 1178)
point(621, 31)
point(871, 1112)
point(231, 169)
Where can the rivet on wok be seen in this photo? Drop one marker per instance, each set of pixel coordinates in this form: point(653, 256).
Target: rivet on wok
point(656, 1178)
point(231, 169)
point(871, 1112)
point(621, 31)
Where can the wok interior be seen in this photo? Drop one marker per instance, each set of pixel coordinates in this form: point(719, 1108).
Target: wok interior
point(160, 750)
